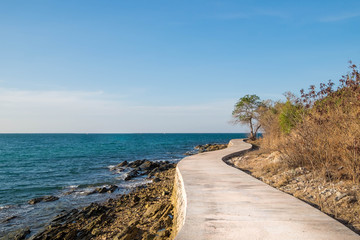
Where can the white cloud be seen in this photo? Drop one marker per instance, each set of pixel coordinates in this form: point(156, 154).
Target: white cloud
point(81, 111)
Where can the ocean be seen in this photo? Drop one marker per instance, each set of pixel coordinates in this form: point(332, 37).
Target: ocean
point(69, 166)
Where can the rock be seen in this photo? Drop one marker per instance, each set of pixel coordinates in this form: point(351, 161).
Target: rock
point(189, 153)
point(94, 209)
point(112, 188)
point(50, 199)
point(351, 199)
point(100, 190)
point(64, 217)
point(162, 166)
point(8, 219)
point(275, 157)
point(21, 234)
point(148, 165)
point(156, 180)
point(148, 236)
point(138, 169)
point(152, 210)
point(167, 166)
point(123, 217)
point(136, 163)
point(326, 192)
point(130, 233)
point(340, 196)
point(152, 172)
point(348, 200)
point(131, 175)
point(72, 234)
point(136, 199)
point(210, 147)
point(35, 200)
point(163, 234)
point(69, 192)
point(122, 164)
point(43, 199)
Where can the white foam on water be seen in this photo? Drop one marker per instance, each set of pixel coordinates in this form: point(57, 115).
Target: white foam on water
point(5, 207)
point(111, 167)
point(71, 187)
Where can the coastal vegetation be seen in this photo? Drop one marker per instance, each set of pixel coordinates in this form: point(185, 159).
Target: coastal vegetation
point(320, 129)
point(311, 146)
point(247, 111)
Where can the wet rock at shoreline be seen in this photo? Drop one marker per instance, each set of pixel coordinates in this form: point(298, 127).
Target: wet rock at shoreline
point(146, 167)
point(132, 174)
point(64, 217)
point(210, 147)
point(122, 218)
point(8, 219)
point(35, 200)
point(50, 199)
point(145, 213)
point(42, 199)
point(190, 153)
point(21, 234)
point(110, 189)
point(136, 163)
point(122, 164)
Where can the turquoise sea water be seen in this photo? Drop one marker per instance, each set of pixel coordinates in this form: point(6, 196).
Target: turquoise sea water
point(35, 165)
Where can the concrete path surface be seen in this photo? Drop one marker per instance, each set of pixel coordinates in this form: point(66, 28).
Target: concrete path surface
point(226, 203)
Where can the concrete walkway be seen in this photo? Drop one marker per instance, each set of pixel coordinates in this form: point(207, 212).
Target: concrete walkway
point(226, 203)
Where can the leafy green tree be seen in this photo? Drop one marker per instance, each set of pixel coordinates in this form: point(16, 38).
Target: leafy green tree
point(289, 116)
point(247, 111)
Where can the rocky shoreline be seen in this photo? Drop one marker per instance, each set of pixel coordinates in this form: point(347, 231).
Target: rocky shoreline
point(206, 148)
point(147, 212)
point(144, 213)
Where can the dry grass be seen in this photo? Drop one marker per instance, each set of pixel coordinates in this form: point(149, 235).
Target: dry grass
point(317, 142)
point(330, 147)
point(322, 129)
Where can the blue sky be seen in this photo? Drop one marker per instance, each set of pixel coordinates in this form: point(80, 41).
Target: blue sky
point(162, 66)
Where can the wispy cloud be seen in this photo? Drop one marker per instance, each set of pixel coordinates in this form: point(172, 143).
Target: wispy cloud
point(51, 97)
point(341, 17)
point(81, 111)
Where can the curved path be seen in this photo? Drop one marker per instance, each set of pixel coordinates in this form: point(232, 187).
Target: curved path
point(226, 203)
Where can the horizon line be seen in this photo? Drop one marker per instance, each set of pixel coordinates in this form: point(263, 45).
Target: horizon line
point(124, 133)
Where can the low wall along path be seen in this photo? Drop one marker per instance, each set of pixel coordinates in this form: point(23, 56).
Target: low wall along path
point(221, 202)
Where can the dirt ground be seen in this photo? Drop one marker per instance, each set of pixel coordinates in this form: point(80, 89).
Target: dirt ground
point(338, 199)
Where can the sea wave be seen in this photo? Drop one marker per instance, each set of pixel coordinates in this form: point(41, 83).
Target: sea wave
point(6, 207)
point(71, 187)
point(111, 167)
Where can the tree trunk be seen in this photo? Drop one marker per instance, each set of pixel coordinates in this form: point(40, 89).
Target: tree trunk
point(252, 135)
point(256, 131)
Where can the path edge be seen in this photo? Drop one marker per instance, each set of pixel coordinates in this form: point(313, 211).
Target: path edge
point(179, 193)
